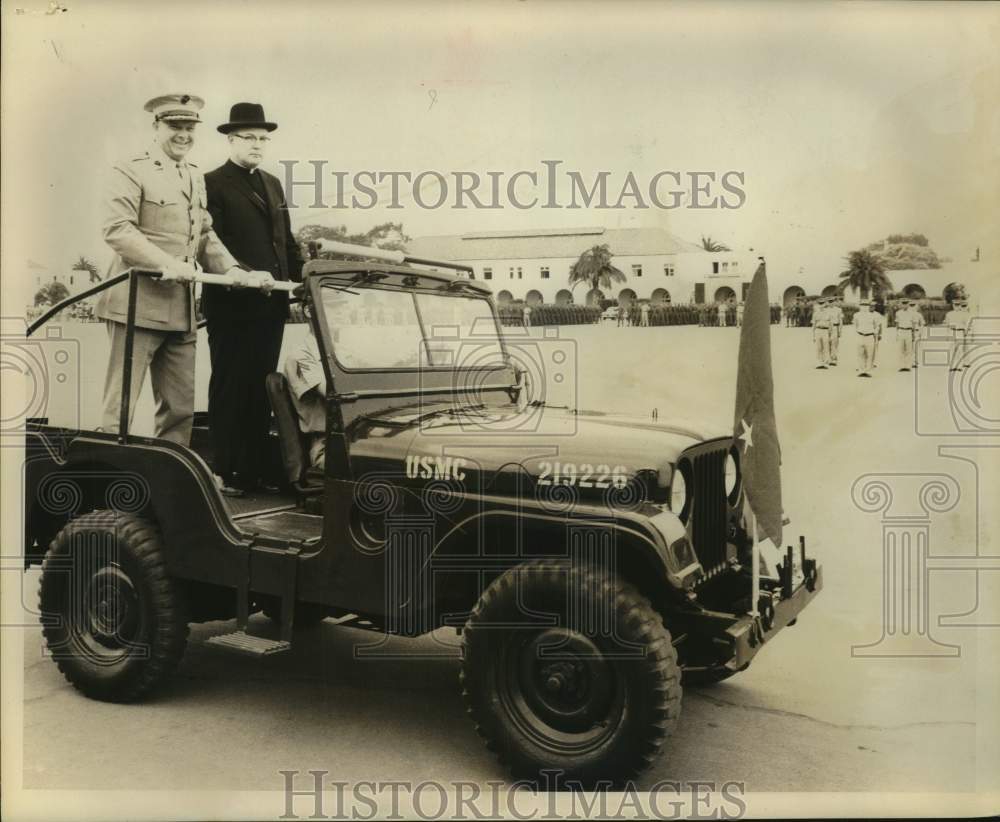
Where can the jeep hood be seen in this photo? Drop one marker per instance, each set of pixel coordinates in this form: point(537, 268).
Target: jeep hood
point(488, 445)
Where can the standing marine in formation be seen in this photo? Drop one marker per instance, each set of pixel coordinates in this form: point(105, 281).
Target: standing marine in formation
point(905, 321)
point(836, 323)
point(866, 326)
point(821, 324)
point(958, 321)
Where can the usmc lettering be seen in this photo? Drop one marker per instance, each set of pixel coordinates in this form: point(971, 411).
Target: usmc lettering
point(424, 467)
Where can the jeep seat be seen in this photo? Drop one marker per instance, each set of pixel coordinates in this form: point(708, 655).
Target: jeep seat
point(294, 445)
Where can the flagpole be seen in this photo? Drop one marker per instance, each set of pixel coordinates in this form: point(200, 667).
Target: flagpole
point(755, 565)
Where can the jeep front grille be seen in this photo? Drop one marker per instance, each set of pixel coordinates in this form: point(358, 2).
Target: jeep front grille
point(709, 509)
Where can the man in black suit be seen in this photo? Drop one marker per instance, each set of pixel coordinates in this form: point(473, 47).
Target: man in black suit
point(245, 326)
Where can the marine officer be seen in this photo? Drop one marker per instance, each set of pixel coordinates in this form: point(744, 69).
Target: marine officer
point(155, 217)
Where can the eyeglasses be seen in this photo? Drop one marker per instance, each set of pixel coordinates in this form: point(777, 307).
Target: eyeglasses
point(252, 138)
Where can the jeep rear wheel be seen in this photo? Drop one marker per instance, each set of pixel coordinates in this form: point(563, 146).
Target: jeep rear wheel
point(571, 669)
point(112, 617)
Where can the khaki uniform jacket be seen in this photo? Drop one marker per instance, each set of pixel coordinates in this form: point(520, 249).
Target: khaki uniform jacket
point(153, 217)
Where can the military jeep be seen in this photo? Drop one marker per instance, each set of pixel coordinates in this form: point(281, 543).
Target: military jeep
point(589, 562)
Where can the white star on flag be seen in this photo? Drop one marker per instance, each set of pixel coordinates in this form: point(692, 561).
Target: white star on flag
point(746, 436)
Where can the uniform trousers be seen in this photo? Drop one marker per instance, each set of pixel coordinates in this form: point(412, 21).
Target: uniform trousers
point(243, 353)
point(168, 356)
point(823, 345)
point(834, 343)
point(905, 347)
point(866, 352)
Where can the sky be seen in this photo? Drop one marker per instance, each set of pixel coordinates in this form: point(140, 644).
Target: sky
point(848, 121)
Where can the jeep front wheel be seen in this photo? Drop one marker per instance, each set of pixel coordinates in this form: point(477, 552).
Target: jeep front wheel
point(112, 617)
point(570, 669)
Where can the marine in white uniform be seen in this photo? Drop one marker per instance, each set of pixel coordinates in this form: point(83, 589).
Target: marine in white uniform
point(836, 324)
point(879, 321)
point(904, 334)
point(958, 321)
point(866, 326)
point(821, 323)
point(918, 327)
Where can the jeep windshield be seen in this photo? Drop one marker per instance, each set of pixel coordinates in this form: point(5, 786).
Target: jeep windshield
point(377, 327)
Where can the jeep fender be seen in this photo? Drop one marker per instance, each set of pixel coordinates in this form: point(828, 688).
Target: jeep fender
point(643, 544)
point(67, 475)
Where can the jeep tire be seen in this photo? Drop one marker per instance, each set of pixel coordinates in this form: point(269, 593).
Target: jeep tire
point(571, 669)
point(113, 619)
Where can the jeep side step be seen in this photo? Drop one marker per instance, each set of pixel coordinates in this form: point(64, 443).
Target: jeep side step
point(246, 643)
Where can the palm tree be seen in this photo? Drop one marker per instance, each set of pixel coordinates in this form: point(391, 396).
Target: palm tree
point(594, 268)
point(711, 245)
point(51, 293)
point(866, 274)
point(83, 264)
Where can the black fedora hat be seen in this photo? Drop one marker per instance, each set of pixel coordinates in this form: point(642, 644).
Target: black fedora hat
point(246, 115)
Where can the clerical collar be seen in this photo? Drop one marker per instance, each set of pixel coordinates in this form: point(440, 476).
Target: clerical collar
point(244, 169)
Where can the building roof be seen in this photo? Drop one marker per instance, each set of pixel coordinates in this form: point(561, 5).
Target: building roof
point(542, 243)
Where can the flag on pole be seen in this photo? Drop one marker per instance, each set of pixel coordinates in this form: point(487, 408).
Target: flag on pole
point(754, 428)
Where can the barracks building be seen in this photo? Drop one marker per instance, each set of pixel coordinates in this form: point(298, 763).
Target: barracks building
point(534, 265)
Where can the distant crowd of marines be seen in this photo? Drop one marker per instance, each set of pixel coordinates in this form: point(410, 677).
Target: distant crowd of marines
point(869, 327)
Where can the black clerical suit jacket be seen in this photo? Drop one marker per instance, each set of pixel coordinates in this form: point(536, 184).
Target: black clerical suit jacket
point(257, 232)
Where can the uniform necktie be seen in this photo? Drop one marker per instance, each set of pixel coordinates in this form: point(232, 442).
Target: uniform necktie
point(185, 178)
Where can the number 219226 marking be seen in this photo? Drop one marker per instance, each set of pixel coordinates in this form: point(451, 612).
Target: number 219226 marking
point(568, 473)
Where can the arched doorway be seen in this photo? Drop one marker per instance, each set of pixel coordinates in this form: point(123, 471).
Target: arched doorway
point(914, 291)
point(829, 291)
point(595, 296)
point(504, 297)
point(564, 297)
point(724, 294)
point(533, 297)
point(792, 293)
point(626, 297)
point(660, 295)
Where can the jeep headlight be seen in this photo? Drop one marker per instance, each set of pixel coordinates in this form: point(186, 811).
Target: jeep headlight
point(732, 476)
point(678, 492)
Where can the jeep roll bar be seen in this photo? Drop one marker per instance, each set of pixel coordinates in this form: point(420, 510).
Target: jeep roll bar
point(132, 275)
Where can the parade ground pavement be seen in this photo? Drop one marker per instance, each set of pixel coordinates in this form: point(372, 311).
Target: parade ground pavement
point(815, 711)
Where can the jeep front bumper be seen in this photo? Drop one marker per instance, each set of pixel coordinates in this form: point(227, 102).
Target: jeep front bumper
point(749, 634)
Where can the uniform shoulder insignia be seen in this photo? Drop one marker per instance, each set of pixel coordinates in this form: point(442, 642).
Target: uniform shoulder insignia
point(193, 165)
point(140, 157)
